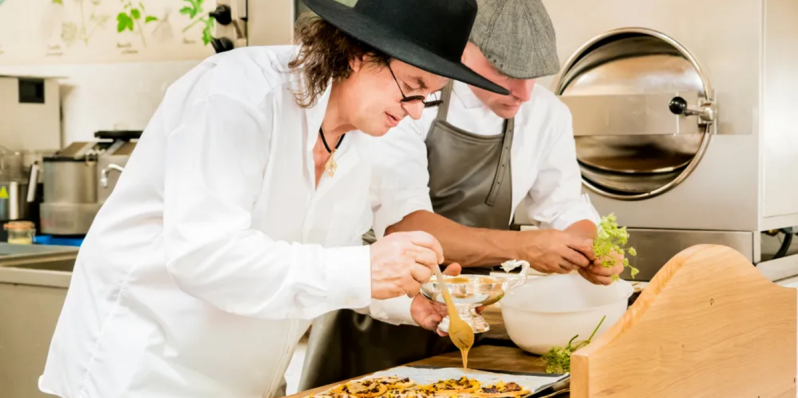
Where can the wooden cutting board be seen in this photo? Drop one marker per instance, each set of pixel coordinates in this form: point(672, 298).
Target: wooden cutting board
point(707, 325)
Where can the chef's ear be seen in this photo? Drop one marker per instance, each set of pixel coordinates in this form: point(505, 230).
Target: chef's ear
point(357, 63)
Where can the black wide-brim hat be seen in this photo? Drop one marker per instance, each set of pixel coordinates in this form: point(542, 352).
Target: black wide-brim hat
point(428, 34)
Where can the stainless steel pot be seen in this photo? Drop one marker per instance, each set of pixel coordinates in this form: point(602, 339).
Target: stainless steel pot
point(70, 181)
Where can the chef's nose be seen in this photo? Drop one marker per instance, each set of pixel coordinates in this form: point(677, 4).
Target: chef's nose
point(522, 89)
point(414, 109)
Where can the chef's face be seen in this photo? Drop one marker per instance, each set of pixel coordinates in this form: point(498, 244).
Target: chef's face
point(378, 99)
point(505, 106)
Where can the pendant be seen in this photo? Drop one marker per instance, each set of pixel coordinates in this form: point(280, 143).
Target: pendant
point(331, 165)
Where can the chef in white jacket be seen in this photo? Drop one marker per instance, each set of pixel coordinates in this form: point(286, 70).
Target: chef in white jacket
point(239, 217)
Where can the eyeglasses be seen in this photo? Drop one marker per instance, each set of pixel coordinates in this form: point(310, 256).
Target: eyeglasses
point(413, 98)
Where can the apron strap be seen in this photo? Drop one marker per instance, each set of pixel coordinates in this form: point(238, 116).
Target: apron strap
point(504, 162)
point(443, 108)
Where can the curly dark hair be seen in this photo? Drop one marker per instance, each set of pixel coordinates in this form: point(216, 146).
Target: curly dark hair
point(325, 54)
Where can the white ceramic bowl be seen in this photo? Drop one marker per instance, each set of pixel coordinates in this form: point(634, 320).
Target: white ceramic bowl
point(548, 311)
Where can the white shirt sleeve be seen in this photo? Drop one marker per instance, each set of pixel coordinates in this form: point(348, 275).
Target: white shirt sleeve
point(395, 311)
point(555, 198)
point(400, 177)
point(215, 160)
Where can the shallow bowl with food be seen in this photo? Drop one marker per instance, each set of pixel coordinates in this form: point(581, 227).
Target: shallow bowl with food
point(471, 291)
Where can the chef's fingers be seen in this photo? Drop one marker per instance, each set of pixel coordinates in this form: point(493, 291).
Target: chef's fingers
point(588, 276)
point(600, 270)
point(575, 257)
point(453, 269)
point(604, 280)
point(423, 256)
point(583, 246)
point(420, 273)
point(443, 312)
point(594, 278)
point(566, 266)
point(431, 321)
point(428, 241)
point(413, 290)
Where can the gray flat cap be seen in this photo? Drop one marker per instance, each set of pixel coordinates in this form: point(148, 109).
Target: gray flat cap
point(517, 36)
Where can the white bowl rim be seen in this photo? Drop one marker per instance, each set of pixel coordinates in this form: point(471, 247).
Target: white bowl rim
point(629, 290)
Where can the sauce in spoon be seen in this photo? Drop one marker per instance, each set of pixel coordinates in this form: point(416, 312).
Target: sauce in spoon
point(459, 331)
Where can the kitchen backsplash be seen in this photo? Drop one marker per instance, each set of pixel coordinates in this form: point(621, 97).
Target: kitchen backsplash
point(107, 96)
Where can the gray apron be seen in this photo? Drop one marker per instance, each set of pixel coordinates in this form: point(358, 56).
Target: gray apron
point(470, 183)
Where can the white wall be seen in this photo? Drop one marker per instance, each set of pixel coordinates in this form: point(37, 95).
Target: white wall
point(107, 96)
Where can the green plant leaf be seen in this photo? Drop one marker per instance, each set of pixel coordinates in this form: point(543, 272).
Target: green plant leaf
point(192, 9)
point(186, 10)
point(122, 21)
point(207, 35)
point(135, 13)
point(141, 5)
point(59, 2)
point(150, 18)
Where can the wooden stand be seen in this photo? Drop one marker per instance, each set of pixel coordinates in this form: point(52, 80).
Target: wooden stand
point(708, 325)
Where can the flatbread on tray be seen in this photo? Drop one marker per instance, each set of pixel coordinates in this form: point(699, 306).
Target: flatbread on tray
point(457, 386)
point(403, 387)
point(396, 382)
point(501, 390)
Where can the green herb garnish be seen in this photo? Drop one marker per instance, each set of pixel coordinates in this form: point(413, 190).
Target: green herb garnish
point(611, 238)
point(558, 359)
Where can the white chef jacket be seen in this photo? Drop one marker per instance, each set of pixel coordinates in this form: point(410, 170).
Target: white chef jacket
point(545, 173)
point(205, 266)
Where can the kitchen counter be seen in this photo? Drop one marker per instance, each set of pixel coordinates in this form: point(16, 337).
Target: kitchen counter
point(33, 280)
point(485, 357)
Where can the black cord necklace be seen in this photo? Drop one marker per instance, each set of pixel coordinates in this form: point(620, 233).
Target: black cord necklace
point(331, 165)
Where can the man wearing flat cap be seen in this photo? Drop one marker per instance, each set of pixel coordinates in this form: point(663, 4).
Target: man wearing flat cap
point(461, 172)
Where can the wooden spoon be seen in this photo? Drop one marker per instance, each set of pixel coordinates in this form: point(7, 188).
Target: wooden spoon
point(459, 331)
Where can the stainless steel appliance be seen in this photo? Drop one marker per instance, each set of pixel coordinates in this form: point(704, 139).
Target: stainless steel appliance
point(682, 117)
point(13, 187)
point(79, 178)
point(19, 198)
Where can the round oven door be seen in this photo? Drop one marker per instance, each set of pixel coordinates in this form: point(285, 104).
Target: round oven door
point(643, 112)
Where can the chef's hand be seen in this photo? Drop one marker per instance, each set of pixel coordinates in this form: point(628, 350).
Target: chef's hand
point(428, 314)
point(401, 262)
point(553, 251)
point(597, 274)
